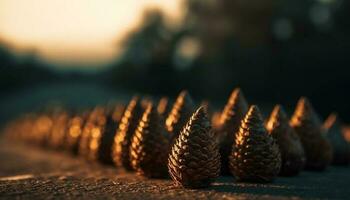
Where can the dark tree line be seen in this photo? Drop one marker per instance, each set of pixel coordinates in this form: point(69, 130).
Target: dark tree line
point(276, 51)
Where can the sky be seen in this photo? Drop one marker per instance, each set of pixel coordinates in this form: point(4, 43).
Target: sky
point(75, 31)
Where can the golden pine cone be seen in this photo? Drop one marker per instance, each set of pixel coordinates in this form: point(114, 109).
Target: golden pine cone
point(194, 161)
point(105, 142)
point(74, 131)
point(96, 133)
point(125, 131)
point(41, 125)
point(150, 145)
point(215, 120)
point(58, 131)
point(163, 106)
point(256, 156)
point(317, 147)
point(341, 148)
point(179, 114)
point(208, 107)
point(85, 137)
point(292, 151)
point(229, 123)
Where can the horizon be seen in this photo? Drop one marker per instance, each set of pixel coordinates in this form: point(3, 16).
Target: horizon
point(75, 34)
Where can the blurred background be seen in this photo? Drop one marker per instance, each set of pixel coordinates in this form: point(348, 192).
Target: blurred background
point(87, 52)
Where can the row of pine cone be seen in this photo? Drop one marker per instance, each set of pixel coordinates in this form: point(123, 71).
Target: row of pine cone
point(191, 144)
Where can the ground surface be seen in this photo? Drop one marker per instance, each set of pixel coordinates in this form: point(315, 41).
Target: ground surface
point(30, 173)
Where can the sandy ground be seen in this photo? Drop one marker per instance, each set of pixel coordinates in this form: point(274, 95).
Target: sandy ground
point(30, 173)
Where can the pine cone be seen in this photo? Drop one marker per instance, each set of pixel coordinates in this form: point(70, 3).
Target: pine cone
point(292, 151)
point(58, 132)
point(194, 161)
point(74, 131)
point(256, 157)
point(307, 124)
point(208, 107)
point(125, 131)
point(229, 123)
point(150, 146)
point(215, 120)
point(118, 112)
point(163, 107)
point(102, 135)
point(40, 125)
point(85, 137)
point(96, 134)
point(109, 130)
point(341, 148)
point(179, 114)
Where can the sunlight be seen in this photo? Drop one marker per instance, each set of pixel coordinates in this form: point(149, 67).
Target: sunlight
point(74, 30)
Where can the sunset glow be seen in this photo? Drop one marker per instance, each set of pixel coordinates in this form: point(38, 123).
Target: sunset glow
point(74, 31)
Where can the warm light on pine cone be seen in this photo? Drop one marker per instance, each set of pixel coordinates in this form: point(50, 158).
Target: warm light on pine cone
point(256, 157)
point(58, 131)
point(179, 114)
point(149, 148)
point(194, 160)
point(229, 123)
point(102, 135)
point(163, 106)
point(74, 131)
point(85, 137)
point(341, 148)
point(125, 131)
point(307, 124)
point(292, 151)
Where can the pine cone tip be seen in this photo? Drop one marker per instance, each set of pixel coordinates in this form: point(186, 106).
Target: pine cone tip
point(162, 106)
point(277, 115)
point(236, 105)
point(201, 114)
point(236, 92)
point(304, 105)
point(254, 115)
point(185, 98)
point(304, 111)
point(237, 95)
point(331, 120)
